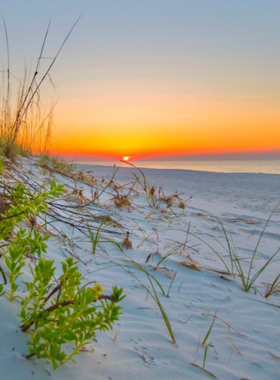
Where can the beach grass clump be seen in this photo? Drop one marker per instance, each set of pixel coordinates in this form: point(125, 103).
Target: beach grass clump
point(24, 125)
point(55, 164)
point(14, 150)
point(22, 121)
point(236, 266)
point(247, 276)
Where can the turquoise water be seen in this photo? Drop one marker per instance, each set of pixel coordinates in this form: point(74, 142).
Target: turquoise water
point(225, 166)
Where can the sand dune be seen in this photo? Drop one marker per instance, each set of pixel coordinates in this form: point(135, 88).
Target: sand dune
point(186, 250)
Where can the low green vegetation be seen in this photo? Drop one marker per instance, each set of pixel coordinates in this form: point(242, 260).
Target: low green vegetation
point(74, 313)
point(54, 312)
point(55, 164)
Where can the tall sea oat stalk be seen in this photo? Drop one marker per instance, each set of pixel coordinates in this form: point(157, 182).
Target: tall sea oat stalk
point(23, 123)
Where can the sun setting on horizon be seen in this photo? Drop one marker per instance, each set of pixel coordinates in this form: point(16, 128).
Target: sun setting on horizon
point(139, 83)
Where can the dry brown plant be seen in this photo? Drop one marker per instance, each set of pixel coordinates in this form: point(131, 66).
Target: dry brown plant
point(87, 178)
point(152, 191)
point(78, 193)
point(122, 202)
point(127, 244)
point(182, 205)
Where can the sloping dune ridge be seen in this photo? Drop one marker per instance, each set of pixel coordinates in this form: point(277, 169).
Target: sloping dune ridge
point(193, 235)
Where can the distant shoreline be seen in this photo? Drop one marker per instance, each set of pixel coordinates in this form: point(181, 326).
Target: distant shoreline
point(226, 166)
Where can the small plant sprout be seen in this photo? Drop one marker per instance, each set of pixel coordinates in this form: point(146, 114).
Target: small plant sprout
point(164, 258)
point(96, 238)
point(206, 345)
point(171, 283)
point(240, 335)
point(163, 313)
point(274, 288)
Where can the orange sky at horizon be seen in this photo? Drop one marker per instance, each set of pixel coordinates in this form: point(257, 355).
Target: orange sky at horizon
point(154, 125)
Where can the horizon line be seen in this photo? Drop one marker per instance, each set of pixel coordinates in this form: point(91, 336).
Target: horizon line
point(267, 155)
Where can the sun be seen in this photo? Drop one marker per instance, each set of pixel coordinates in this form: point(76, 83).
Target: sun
point(126, 158)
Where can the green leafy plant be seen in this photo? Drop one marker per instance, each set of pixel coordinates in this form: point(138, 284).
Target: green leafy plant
point(23, 204)
point(54, 313)
point(21, 242)
point(66, 313)
point(14, 261)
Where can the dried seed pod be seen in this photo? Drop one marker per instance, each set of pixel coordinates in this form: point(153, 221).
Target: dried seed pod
point(152, 191)
point(127, 244)
point(169, 201)
point(182, 205)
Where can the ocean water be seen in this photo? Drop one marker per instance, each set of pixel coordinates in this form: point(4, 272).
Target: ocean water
point(217, 166)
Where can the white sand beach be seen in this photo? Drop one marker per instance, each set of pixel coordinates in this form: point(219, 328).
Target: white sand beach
point(186, 252)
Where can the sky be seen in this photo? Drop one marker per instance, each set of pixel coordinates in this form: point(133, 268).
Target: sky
point(154, 78)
